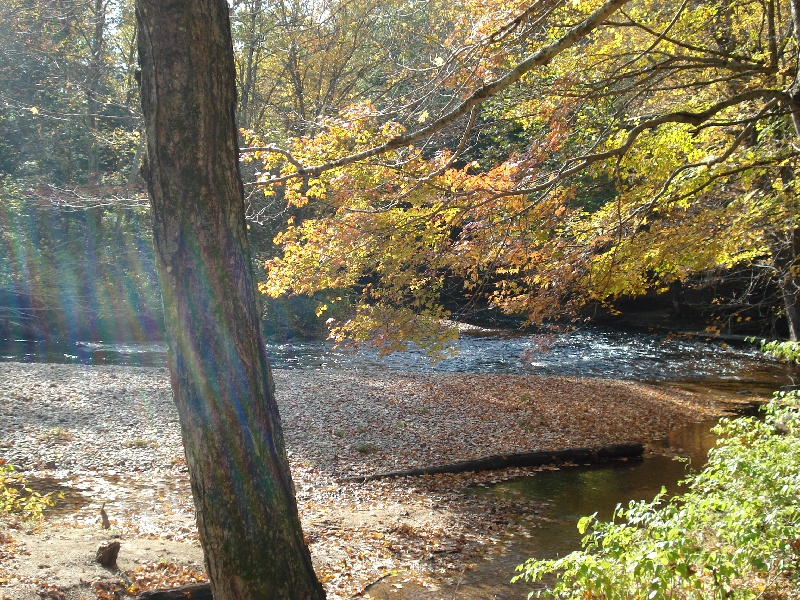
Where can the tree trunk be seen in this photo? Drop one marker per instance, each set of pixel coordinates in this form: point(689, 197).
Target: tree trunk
point(790, 284)
point(794, 90)
point(221, 380)
point(791, 303)
point(93, 90)
point(251, 66)
point(678, 299)
point(519, 459)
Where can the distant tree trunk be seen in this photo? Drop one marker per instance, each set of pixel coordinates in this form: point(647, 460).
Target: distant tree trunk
point(790, 285)
point(133, 171)
point(93, 90)
point(794, 90)
point(677, 297)
point(251, 65)
point(791, 303)
point(221, 380)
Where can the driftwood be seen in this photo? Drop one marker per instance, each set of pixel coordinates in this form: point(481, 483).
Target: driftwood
point(196, 591)
point(523, 459)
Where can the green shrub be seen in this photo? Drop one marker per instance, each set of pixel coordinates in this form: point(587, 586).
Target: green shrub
point(733, 534)
point(789, 351)
point(366, 448)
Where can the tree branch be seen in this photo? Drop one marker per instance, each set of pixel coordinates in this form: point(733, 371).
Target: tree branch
point(697, 119)
point(660, 36)
point(478, 97)
point(728, 56)
point(276, 150)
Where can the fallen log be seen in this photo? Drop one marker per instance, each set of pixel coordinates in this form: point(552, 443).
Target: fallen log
point(522, 459)
point(195, 591)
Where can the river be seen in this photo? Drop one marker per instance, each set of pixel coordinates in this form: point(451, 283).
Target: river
point(608, 353)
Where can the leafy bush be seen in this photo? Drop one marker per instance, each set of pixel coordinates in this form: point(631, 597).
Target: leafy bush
point(734, 533)
point(17, 499)
point(783, 350)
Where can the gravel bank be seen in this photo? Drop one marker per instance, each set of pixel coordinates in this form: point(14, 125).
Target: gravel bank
point(121, 420)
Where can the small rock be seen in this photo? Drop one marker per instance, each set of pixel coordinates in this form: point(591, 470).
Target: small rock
point(107, 554)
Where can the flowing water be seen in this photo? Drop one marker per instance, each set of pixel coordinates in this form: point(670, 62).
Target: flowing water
point(705, 366)
point(608, 353)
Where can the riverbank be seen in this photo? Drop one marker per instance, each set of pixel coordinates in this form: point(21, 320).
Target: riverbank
point(109, 435)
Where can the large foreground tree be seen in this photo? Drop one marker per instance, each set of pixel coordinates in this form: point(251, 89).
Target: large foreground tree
point(243, 492)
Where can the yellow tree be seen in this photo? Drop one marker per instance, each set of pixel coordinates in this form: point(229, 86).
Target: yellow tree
point(684, 113)
point(301, 61)
point(701, 144)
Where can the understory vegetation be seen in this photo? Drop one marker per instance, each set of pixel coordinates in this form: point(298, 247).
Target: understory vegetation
point(782, 350)
point(19, 500)
point(734, 532)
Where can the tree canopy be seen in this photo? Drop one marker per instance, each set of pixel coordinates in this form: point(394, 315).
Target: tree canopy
point(659, 148)
point(68, 99)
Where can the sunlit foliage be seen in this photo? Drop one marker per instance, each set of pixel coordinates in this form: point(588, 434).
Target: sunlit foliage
point(658, 148)
point(17, 499)
point(783, 350)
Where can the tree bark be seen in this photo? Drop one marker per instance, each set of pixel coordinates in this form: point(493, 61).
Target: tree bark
point(221, 380)
point(794, 89)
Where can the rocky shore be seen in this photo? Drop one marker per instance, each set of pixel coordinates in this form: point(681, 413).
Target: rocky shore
point(108, 435)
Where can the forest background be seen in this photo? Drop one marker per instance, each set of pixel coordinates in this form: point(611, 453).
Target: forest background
point(405, 163)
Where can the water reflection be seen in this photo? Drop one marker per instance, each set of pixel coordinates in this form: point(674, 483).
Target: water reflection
point(567, 495)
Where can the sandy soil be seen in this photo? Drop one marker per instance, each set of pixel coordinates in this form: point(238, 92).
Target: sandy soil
point(108, 435)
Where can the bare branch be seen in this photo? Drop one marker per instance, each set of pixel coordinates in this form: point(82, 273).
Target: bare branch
point(502, 33)
point(660, 37)
point(276, 150)
point(478, 97)
point(473, 114)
